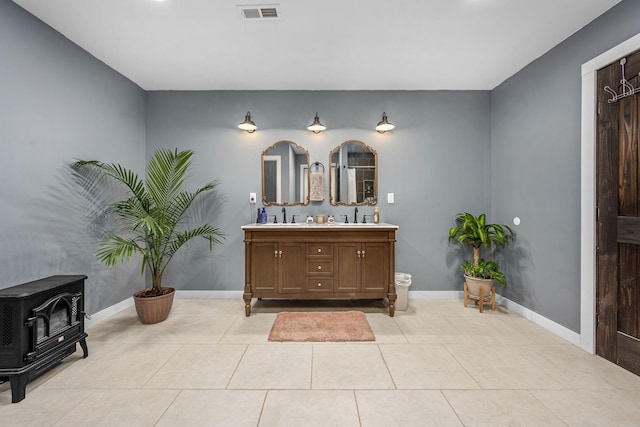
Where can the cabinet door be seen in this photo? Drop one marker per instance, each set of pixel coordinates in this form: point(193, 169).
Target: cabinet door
point(293, 276)
point(264, 266)
point(375, 267)
point(346, 263)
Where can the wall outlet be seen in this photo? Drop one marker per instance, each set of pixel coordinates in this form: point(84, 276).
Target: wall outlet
point(390, 198)
point(252, 198)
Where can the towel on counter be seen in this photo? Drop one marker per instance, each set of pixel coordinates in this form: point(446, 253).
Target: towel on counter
point(316, 193)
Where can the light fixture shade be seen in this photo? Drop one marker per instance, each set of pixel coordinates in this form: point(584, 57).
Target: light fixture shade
point(316, 126)
point(248, 125)
point(384, 125)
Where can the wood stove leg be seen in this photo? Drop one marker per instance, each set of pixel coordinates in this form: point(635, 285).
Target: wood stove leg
point(85, 350)
point(18, 387)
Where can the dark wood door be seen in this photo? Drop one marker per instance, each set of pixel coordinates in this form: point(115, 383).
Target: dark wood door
point(618, 218)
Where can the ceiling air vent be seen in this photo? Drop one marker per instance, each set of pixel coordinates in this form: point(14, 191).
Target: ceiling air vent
point(260, 12)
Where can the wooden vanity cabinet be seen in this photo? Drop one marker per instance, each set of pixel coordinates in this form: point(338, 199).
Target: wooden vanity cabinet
point(319, 262)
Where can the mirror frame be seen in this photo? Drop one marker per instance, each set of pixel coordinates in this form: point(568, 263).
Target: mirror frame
point(375, 184)
point(266, 152)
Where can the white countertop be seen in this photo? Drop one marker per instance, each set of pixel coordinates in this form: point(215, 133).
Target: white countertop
point(326, 226)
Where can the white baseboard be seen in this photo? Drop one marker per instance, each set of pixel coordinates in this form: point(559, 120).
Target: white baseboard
point(108, 312)
point(209, 294)
point(550, 325)
point(435, 294)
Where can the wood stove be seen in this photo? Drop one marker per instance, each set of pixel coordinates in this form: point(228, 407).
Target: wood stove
point(41, 323)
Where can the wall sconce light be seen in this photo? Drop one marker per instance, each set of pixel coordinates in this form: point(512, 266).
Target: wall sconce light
point(316, 126)
point(384, 125)
point(248, 125)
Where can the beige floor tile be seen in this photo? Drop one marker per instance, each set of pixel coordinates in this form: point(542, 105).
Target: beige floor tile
point(237, 408)
point(249, 330)
point(496, 408)
point(385, 329)
point(574, 367)
point(310, 408)
point(197, 366)
point(582, 408)
point(40, 407)
point(526, 375)
point(349, 366)
point(502, 367)
point(425, 366)
point(273, 366)
point(124, 366)
point(405, 408)
point(120, 408)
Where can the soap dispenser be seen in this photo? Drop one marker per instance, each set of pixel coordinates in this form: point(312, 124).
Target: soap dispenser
point(376, 215)
point(263, 216)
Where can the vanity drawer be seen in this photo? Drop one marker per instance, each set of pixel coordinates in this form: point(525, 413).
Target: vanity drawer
point(320, 284)
point(319, 249)
point(320, 266)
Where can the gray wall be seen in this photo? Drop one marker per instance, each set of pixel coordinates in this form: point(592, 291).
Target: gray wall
point(514, 151)
point(435, 162)
point(535, 163)
point(58, 103)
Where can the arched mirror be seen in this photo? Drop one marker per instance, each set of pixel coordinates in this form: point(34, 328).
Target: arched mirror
point(285, 175)
point(354, 174)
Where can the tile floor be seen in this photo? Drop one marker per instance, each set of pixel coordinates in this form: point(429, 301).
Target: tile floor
point(437, 364)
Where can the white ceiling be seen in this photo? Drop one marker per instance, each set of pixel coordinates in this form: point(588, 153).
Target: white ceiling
point(318, 45)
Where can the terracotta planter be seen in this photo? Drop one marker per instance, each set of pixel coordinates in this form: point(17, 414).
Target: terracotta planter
point(154, 309)
point(474, 284)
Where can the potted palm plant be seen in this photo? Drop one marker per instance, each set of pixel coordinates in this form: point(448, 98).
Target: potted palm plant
point(152, 218)
point(474, 231)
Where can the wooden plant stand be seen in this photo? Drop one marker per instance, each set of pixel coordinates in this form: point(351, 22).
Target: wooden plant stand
point(481, 299)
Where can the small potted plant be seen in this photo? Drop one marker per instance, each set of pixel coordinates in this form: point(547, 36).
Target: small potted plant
point(474, 231)
point(152, 218)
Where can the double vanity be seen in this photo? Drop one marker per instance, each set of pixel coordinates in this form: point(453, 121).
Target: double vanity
point(319, 261)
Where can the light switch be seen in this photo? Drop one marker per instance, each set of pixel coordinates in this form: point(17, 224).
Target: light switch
point(390, 198)
point(252, 197)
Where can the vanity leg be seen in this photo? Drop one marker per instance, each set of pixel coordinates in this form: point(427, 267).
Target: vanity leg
point(247, 301)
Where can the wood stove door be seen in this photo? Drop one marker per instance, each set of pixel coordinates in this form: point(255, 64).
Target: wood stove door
point(54, 322)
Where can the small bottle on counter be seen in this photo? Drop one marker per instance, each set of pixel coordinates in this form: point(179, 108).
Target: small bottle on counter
point(263, 216)
point(376, 215)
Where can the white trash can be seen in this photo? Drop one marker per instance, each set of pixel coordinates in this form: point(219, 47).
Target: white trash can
point(403, 281)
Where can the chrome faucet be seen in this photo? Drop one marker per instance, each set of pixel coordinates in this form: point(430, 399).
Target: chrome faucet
point(284, 215)
point(355, 216)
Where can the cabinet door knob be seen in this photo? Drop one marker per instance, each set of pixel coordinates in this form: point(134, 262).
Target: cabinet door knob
point(319, 250)
point(319, 267)
point(319, 284)
point(275, 254)
point(280, 254)
point(358, 254)
point(362, 254)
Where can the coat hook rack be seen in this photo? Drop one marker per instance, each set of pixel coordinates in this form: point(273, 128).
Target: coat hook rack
point(627, 88)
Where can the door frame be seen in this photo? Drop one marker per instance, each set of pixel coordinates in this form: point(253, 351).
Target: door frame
point(588, 188)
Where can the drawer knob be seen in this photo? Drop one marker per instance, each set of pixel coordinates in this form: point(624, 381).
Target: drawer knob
point(319, 284)
point(319, 267)
point(319, 250)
